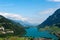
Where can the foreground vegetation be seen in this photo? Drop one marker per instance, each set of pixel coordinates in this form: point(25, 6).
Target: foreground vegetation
point(12, 38)
point(16, 38)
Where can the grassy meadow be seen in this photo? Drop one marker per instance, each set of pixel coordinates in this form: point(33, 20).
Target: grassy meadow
point(15, 38)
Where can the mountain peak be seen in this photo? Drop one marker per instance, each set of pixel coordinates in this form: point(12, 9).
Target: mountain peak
point(57, 12)
point(1, 16)
point(58, 9)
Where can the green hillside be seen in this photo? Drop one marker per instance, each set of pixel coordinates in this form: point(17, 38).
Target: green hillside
point(10, 25)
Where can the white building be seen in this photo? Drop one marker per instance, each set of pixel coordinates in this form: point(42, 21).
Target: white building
point(1, 28)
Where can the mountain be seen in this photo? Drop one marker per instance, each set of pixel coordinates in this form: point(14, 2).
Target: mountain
point(12, 25)
point(24, 23)
point(54, 19)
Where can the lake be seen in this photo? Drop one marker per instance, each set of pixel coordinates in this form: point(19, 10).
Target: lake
point(34, 32)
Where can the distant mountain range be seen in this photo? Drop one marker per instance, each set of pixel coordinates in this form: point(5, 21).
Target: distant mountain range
point(51, 20)
point(24, 23)
point(12, 25)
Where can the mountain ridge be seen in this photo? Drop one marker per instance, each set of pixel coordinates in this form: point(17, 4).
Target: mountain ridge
point(51, 20)
point(10, 24)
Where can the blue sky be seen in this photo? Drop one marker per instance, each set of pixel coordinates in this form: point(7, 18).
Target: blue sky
point(33, 11)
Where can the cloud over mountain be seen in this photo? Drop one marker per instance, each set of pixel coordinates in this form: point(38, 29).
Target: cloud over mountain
point(13, 16)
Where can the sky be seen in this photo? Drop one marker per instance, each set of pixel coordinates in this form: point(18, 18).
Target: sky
point(33, 11)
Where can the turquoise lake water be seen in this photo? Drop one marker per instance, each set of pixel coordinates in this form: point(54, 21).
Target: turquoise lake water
point(33, 32)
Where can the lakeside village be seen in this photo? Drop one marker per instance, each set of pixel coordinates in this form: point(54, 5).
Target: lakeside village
point(5, 31)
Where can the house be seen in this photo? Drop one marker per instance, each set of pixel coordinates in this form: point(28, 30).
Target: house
point(3, 32)
point(9, 31)
point(1, 28)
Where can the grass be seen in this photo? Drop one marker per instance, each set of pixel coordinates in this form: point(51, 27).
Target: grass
point(15, 38)
point(1, 39)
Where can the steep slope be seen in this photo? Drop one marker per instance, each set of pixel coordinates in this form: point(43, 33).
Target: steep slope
point(9, 24)
point(51, 20)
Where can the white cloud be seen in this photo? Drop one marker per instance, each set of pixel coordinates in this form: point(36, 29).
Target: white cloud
point(47, 11)
point(54, 0)
point(13, 16)
point(17, 17)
